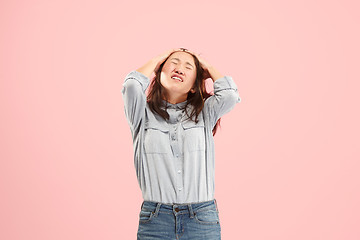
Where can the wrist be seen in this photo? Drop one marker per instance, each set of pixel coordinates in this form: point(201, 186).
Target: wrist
point(215, 74)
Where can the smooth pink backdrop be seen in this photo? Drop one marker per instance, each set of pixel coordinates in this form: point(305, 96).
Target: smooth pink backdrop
point(287, 156)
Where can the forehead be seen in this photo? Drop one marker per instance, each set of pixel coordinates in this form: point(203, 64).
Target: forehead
point(183, 57)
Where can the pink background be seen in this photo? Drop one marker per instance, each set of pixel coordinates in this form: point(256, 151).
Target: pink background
point(287, 156)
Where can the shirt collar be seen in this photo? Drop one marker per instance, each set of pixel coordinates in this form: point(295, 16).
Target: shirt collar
point(180, 105)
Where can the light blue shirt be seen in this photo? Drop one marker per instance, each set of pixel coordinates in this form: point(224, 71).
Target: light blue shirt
point(175, 159)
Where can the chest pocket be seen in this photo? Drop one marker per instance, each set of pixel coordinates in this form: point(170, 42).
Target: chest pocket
point(194, 135)
point(156, 138)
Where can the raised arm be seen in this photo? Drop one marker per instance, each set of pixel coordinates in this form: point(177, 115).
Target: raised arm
point(225, 97)
point(226, 94)
point(133, 94)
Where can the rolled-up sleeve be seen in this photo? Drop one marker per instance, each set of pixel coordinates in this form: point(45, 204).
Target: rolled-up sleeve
point(225, 97)
point(134, 97)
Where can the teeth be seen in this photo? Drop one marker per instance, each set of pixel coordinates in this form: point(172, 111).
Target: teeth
point(177, 78)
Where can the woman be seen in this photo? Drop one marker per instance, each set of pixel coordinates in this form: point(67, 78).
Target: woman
point(172, 130)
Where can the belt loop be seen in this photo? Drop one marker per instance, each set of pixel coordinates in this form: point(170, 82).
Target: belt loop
point(142, 205)
point(216, 205)
point(191, 211)
point(157, 209)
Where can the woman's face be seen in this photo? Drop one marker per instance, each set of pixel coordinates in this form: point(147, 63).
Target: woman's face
point(182, 65)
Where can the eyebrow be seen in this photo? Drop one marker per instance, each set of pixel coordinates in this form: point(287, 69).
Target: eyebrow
point(180, 61)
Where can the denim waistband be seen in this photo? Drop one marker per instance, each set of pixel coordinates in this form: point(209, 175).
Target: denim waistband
point(179, 208)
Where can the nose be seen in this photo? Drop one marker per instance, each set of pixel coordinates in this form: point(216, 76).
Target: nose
point(179, 71)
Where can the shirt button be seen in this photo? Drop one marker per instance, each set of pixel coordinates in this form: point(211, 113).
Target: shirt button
point(180, 189)
point(177, 155)
point(179, 171)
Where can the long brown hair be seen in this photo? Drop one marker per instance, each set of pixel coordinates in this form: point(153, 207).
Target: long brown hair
point(196, 99)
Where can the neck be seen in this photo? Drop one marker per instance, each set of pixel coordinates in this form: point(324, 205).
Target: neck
point(175, 100)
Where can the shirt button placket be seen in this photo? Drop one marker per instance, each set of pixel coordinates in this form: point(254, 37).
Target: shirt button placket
point(178, 160)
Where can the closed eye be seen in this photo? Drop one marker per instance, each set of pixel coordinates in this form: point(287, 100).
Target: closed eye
point(186, 67)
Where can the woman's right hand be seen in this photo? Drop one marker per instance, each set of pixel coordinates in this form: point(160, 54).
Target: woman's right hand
point(161, 57)
point(153, 64)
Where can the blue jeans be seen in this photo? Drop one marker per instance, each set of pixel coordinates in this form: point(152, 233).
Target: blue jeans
point(195, 221)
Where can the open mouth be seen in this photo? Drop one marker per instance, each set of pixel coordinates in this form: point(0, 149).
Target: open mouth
point(177, 79)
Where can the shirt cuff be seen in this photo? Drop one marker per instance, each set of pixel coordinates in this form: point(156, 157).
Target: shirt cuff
point(141, 78)
point(224, 83)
